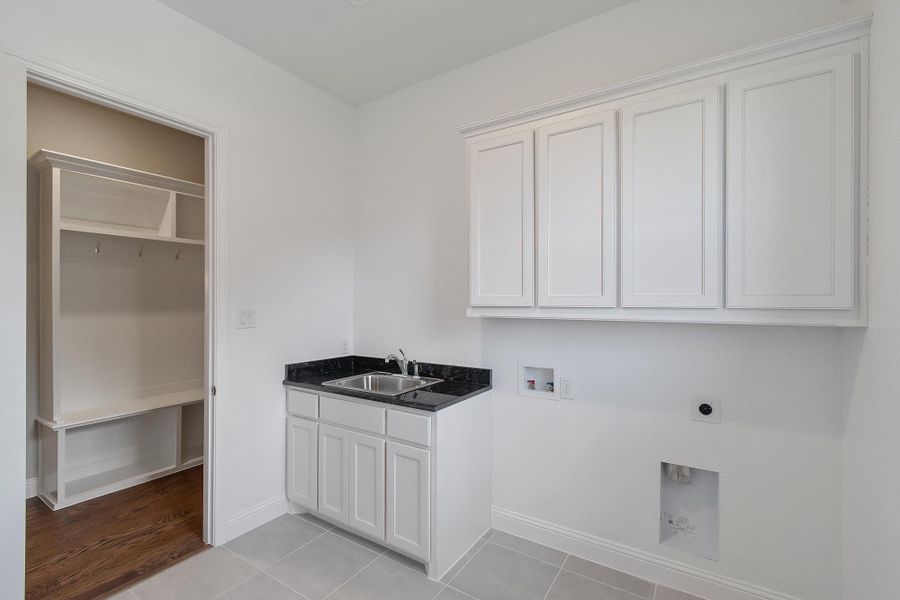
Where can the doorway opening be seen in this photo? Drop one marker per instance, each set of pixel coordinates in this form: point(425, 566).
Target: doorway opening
point(119, 346)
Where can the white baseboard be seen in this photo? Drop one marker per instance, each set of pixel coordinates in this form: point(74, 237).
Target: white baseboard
point(253, 517)
point(668, 572)
point(31, 487)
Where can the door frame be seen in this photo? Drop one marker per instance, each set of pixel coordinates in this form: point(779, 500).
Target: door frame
point(57, 77)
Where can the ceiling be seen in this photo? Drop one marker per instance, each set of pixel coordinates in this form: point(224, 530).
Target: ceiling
point(360, 50)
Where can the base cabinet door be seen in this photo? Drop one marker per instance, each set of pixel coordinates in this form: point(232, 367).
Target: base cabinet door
point(409, 499)
point(367, 484)
point(334, 473)
point(302, 462)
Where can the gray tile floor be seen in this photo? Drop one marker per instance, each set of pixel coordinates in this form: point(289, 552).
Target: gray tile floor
point(304, 558)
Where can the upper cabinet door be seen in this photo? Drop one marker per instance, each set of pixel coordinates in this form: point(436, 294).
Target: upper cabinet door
point(501, 212)
point(577, 212)
point(671, 198)
point(791, 201)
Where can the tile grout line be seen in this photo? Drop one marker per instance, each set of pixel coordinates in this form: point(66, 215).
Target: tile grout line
point(563, 566)
point(335, 529)
point(552, 583)
point(609, 585)
point(471, 558)
point(559, 566)
point(335, 590)
point(467, 595)
point(243, 581)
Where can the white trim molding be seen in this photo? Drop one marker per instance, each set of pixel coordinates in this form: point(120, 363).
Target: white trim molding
point(64, 79)
point(251, 518)
point(653, 567)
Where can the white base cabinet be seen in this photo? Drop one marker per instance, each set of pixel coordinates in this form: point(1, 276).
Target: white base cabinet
point(367, 483)
point(408, 499)
point(302, 461)
point(379, 471)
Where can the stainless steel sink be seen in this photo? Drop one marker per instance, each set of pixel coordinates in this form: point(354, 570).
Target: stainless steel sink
point(383, 384)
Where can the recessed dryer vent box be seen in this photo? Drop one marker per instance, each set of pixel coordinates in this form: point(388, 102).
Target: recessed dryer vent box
point(689, 510)
point(538, 381)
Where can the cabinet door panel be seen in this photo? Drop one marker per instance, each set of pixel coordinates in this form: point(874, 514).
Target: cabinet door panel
point(501, 207)
point(577, 212)
point(302, 462)
point(409, 499)
point(333, 472)
point(367, 484)
point(791, 201)
point(671, 198)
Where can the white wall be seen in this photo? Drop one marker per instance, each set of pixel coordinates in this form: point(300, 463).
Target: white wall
point(286, 194)
point(592, 464)
point(12, 328)
point(872, 359)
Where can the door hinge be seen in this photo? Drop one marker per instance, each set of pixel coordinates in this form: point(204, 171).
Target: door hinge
point(212, 390)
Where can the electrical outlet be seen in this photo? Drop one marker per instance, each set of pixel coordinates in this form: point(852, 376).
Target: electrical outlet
point(246, 318)
point(566, 389)
point(345, 347)
point(706, 410)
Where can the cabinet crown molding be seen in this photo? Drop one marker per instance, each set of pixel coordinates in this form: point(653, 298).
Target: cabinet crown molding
point(835, 33)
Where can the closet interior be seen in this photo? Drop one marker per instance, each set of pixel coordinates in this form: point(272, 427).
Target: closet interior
point(117, 336)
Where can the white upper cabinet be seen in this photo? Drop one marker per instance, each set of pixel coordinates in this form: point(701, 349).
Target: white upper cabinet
point(671, 198)
point(731, 190)
point(501, 207)
point(791, 198)
point(576, 188)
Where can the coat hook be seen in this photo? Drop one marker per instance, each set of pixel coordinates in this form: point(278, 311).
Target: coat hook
point(141, 252)
point(178, 254)
point(97, 248)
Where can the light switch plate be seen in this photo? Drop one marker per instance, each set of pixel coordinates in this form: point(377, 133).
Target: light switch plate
point(246, 318)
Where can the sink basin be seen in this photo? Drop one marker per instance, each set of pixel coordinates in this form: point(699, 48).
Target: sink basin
point(383, 384)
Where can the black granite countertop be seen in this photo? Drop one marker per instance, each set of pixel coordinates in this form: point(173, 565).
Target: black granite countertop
point(459, 383)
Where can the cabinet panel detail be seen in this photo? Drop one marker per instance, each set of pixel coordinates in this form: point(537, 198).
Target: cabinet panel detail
point(671, 198)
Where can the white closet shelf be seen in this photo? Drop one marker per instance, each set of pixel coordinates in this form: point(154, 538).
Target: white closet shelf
point(121, 410)
point(122, 231)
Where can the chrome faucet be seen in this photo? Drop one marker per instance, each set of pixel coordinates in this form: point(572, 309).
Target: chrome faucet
point(401, 362)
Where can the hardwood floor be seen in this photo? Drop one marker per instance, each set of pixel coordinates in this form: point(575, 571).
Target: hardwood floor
point(92, 549)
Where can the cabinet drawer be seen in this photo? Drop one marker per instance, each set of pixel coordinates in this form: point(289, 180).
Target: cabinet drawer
point(409, 427)
point(351, 414)
point(303, 404)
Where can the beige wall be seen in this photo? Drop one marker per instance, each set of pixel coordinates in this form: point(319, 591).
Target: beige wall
point(66, 124)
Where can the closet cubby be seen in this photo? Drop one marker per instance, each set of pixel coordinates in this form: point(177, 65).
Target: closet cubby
point(190, 217)
point(122, 320)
